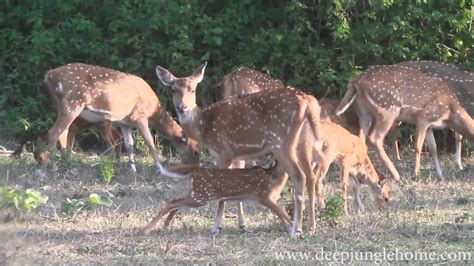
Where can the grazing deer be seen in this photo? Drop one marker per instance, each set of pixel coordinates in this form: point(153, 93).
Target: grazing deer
point(462, 83)
point(98, 94)
point(256, 184)
point(349, 152)
point(384, 94)
point(111, 136)
point(247, 127)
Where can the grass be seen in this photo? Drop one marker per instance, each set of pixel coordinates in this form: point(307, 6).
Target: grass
point(425, 215)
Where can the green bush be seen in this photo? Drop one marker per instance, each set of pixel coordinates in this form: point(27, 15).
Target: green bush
point(107, 170)
point(315, 45)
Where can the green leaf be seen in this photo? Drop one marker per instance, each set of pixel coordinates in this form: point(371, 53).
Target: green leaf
point(96, 199)
point(37, 196)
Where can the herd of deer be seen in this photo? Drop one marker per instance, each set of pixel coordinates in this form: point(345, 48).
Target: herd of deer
point(260, 116)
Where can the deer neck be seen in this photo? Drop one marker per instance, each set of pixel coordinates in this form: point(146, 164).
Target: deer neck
point(193, 123)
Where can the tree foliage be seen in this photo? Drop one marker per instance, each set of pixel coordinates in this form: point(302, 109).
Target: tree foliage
point(314, 45)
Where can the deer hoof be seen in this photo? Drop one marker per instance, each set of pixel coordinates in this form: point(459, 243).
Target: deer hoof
point(216, 230)
point(243, 229)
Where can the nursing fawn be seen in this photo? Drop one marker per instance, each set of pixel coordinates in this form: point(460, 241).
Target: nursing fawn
point(256, 184)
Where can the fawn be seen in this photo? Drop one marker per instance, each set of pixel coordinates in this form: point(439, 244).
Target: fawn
point(349, 152)
point(256, 184)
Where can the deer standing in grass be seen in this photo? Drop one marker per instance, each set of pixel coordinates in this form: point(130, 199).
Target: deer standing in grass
point(385, 94)
point(97, 94)
point(247, 127)
point(349, 152)
point(462, 83)
point(256, 184)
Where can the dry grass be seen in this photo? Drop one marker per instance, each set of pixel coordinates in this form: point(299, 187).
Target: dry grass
point(424, 216)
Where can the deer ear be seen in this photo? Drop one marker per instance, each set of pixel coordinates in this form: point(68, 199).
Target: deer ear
point(165, 76)
point(199, 73)
point(382, 182)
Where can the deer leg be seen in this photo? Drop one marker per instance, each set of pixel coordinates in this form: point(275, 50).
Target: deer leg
point(394, 134)
point(358, 200)
point(458, 141)
point(145, 131)
point(128, 139)
point(61, 124)
point(111, 136)
point(216, 228)
point(431, 143)
point(171, 206)
point(225, 163)
point(239, 164)
point(299, 180)
point(321, 172)
point(278, 210)
point(376, 138)
point(421, 129)
point(365, 121)
point(170, 218)
point(310, 187)
point(345, 187)
point(63, 140)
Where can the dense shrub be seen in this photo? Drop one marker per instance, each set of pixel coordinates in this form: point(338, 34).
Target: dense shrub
point(315, 45)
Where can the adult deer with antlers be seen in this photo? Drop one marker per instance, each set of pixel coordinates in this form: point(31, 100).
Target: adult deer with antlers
point(98, 94)
point(384, 94)
point(247, 127)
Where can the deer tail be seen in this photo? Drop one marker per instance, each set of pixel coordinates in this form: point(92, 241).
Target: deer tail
point(347, 100)
point(314, 113)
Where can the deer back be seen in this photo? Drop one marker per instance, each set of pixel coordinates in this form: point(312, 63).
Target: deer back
point(460, 81)
point(406, 91)
point(246, 80)
point(105, 93)
point(254, 122)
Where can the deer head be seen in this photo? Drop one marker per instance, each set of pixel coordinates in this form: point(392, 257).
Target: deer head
point(184, 89)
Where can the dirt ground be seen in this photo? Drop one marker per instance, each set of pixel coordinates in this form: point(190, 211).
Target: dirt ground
point(425, 217)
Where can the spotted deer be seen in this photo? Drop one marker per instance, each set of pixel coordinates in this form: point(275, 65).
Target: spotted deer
point(111, 136)
point(243, 81)
point(387, 93)
point(349, 153)
point(255, 184)
point(462, 83)
point(247, 127)
point(97, 94)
